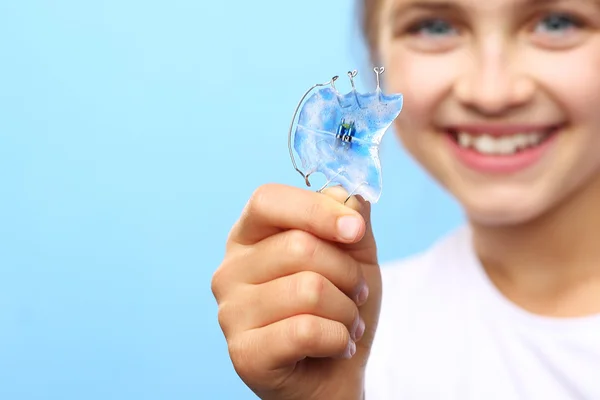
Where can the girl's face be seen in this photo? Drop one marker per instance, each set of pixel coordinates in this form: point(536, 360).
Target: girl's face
point(502, 98)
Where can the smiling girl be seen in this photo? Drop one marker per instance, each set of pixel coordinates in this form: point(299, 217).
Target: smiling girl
point(501, 108)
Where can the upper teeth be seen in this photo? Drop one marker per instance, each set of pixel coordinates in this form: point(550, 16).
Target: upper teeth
point(489, 144)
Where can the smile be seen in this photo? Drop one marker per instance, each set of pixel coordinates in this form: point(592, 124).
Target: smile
point(504, 145)
point(501, 149)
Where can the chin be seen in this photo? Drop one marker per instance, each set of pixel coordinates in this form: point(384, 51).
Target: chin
point(497, 211)
point(504, 218)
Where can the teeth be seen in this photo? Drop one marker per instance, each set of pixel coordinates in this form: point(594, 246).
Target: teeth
point(522, 140)
point(506, 145)
point(464, 139)
point(485, 144)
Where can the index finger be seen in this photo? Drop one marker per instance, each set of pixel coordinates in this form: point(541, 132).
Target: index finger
point(274, 208)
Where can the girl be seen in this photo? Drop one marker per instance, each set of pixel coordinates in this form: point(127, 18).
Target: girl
point(501, 109)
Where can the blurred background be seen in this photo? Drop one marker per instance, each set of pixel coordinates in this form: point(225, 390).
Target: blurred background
point(131, 135)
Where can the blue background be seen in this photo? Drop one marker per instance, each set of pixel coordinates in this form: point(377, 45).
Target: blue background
point(131, 135)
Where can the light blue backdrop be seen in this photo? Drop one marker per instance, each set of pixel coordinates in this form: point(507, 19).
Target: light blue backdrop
point(131, 134)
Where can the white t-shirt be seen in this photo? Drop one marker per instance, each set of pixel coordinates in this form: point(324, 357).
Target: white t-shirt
point(447, 333)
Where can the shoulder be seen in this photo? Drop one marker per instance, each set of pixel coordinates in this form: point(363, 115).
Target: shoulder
point(423, 282)
point(426, 280)
point(422, 270)
point(421, 296)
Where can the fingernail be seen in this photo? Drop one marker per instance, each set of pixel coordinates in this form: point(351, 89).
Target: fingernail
point(363, 295)
point(348, 227)
point(360, 330)
point(351, 349)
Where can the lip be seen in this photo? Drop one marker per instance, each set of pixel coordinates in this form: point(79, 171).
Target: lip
point(502, 164)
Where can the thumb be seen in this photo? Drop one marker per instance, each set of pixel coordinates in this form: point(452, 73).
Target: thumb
point(364, 251)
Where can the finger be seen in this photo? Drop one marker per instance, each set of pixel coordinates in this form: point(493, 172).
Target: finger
point(365, 249)
point(274, 208)
point(341, 195)
point(301, 293)
point(288, 341)
point(293, 251)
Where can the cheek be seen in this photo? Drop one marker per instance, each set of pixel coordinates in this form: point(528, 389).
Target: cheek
point(573, 81)
point(424, 85)
point(422, 82)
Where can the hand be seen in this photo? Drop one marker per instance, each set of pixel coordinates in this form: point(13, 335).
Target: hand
point(299, 293)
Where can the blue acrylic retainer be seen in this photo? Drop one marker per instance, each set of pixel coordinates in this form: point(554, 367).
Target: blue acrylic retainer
point(339, 135)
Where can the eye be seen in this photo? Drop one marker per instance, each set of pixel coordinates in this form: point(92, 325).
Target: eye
point(431, 34)
point(433, 27)
point(559, 31)
point(557, 23)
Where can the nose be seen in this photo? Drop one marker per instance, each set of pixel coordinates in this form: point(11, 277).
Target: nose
point(493, 84)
